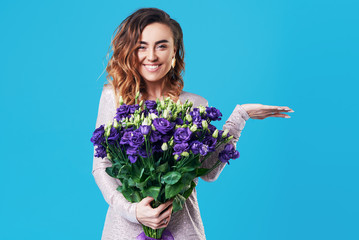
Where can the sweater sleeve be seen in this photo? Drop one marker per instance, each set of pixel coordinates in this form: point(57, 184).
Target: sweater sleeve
point(106, 183)
point(235, 125)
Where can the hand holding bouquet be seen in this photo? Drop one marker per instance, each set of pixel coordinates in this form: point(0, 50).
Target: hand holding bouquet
point(157, 149)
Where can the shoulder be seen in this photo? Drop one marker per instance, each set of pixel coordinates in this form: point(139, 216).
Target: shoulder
point(192, 97)
point(107, 92)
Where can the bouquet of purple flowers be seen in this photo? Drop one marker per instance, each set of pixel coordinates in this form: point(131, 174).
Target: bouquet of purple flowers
point(157, 149)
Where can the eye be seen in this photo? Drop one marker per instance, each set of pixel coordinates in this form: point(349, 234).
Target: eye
point(141, 47)
point(162, 46)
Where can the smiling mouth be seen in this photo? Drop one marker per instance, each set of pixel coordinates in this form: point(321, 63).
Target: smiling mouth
point(152, 67)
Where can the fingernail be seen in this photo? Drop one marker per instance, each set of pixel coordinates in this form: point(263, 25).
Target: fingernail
point(287, 116)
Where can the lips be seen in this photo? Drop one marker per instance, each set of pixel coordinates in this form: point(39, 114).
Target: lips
point(152, 67)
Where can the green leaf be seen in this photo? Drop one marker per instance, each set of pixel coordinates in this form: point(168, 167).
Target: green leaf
point(130, 194)
point(188, 177)
point(178, 203)
point(202, 172)
point(187, 169)
point(188, 192)
point(162, 168)
point(142, 184)
point(131, 183)
point(171, 177)
point(152, 191)
point(137, 172)
point(113, 171)
point(173, 190)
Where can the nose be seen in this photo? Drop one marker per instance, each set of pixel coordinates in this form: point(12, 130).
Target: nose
point(151, 55)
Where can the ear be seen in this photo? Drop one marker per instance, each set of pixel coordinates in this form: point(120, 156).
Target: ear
point(174, 52)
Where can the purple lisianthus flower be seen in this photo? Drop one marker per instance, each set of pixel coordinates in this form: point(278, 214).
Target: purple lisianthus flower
point(229, 152)
point(136, 138)
point(179, 121)
point(133, 108)
point(142, 152)
point(122, 112)
point(131, 150)
point(114, 136)
point(163, 125)
point(195, 146)
point(166, 137)
point(100, 151)
point(145, 129)
point(132, 158)
point(210, 142)
point(151, 104)
point(97, 136)
point(155, 136)
point(198, 147)
point(196, 117)
point(195, 112)
point(182, 135)
point(126, 137)
point(156, 147)
point(179, 148)
point(213, 113)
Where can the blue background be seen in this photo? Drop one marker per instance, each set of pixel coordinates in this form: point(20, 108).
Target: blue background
point(296, 178)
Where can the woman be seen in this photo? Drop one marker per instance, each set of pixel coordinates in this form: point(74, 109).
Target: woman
point(148, 57)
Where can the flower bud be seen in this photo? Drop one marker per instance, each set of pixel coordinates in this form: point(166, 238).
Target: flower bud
point(142, 116)
point(176, 157)
point(190, 104)
point(204, 124)
point(140, 104)
point(184, 154)
point(170, 142)
point(202, 109)
point(120, 100)
point(225, 133)
point(153, 127)
point(146, 121)
point(189, 118)
point(164, 147)
point(165, 113)
point(228, 139)
point(115, 123)
point(109, 156)
point(153, 116)
point(193, 128)
point(215, 134)
point(137, 119)
point(163, 105)
point(107, 131)
point(137, 94)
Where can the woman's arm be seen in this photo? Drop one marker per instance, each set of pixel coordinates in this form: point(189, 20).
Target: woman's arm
point(235, 125)
point(106, 183)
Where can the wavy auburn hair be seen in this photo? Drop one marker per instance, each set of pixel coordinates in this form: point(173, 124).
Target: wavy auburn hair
point(122, 68)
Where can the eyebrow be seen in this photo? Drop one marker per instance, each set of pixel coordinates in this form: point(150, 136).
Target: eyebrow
point(158, 42)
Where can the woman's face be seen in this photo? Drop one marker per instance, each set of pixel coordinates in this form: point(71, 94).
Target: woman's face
point(155, 52)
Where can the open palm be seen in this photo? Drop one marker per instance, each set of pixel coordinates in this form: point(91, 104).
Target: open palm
point(260, 111)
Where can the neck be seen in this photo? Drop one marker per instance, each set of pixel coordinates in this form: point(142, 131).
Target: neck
point(154, 90)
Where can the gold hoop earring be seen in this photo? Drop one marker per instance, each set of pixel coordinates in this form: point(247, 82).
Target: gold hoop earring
point(173, 62)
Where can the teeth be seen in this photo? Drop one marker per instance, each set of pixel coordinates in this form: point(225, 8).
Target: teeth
point(152, 66)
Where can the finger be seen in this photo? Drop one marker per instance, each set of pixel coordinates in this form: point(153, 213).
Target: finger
point(279, 115)
point(166, 213)
point(163, 206)
point(147, 200)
